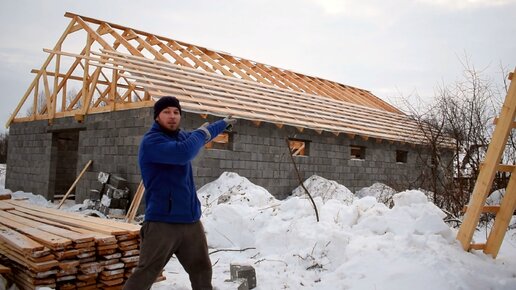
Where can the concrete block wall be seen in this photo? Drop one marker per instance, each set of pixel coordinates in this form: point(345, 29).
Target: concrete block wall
point(258, 153)
point(28, 157)
point(261, 155)
point(111, 140)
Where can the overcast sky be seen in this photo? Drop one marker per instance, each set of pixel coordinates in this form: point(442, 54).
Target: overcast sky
point(391, 48)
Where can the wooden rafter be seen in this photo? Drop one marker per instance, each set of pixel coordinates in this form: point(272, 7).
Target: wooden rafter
point(208, 81)
point(166, 81)
point(214, 80)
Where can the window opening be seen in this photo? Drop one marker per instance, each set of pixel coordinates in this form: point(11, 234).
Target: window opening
point(221, 142)
point(401, 156)
point(357, 152)
point(298, 147)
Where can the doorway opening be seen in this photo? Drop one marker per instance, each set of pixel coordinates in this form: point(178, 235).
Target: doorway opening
point(63, 163)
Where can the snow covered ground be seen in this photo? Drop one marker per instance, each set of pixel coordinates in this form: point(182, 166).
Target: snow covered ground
point(2, 176)
point(359, 243)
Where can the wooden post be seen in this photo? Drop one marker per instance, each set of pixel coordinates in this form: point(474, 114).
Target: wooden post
point(503, 218)
point(74, 183)
point(137, 199)
point(488, 171)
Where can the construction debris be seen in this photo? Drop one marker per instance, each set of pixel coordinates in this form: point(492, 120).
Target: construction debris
point(46, 247)
point(112, 196)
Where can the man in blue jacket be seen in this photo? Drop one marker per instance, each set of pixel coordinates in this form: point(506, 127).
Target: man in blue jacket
point(172, 210)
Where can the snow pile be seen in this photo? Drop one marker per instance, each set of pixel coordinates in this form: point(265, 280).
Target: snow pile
point(359, 245)
point(495, 198)
point(232, 188)
point(326, 189)
point(32, 198)
point(380, 191)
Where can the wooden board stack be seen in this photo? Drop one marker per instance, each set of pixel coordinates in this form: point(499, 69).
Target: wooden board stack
point(62, 250)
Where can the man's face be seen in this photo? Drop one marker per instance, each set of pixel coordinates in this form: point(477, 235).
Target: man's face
point(169, 118)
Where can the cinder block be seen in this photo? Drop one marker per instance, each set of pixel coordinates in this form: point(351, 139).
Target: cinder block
point(241, 284)
point(116, 193)
point(94, 194)
point(123, 203)
point(246, 272)
point(103, 177)
point(115, 203)
point(118, 182)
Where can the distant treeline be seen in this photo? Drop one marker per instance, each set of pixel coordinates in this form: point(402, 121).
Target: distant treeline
point(4, 137)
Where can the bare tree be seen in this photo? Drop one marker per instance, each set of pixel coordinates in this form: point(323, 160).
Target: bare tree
point(463, 111)
point(41, 102)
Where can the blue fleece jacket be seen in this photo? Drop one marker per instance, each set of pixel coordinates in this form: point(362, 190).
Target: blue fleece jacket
point(165, 163)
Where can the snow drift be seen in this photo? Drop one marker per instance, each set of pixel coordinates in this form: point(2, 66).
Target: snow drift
point(359, 243)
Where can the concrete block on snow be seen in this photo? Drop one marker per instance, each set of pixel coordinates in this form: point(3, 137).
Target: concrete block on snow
point(245, 272)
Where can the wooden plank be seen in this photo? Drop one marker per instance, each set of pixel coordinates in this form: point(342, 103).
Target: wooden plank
point(4, 197)
point(237, 66)
point(502, 167)
point(75, 183)
point(185, 52)
point(19, 242)
point(4, 269)
point(100, 238)
point(318, 99)
point(486, 175)
point(5, 206)
point(65, 233)
point(147, 46)
point(477, 246)
point(244, 67)
point(266, 116)
point(182, 47)
point(402, 127)
point(50, 240)
point(135, 203)
point(74, 222)
point(502, 219)
point(62, 255)
point(383, 113)
point(165, 48)
point(115, 227)
point(486, 209)
point(495, 121)
point(122, 40)
point(20, 259)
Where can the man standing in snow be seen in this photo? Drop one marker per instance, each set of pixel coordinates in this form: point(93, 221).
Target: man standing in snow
point(172, 210)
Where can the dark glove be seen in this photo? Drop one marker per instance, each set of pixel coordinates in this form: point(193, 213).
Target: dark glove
point(230, 121)
point(204, 128)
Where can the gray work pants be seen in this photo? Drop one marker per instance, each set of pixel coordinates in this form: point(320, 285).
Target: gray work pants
point(162, 240)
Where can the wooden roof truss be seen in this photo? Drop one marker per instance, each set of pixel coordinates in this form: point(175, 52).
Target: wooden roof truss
point(122, 68)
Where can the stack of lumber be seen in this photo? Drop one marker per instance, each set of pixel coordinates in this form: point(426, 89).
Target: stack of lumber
point(62, 250)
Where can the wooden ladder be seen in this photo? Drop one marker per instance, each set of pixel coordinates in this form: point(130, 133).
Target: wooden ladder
point(504, 124)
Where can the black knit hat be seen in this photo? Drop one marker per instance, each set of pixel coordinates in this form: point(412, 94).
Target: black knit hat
point(165, 102)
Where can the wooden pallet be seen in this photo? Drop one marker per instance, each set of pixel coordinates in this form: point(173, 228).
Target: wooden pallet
point(504, 124)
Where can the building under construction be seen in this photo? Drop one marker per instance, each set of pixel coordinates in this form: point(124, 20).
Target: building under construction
point(92, 100)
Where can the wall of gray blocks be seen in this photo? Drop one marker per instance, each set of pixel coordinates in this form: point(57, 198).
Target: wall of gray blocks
point(258, 153)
